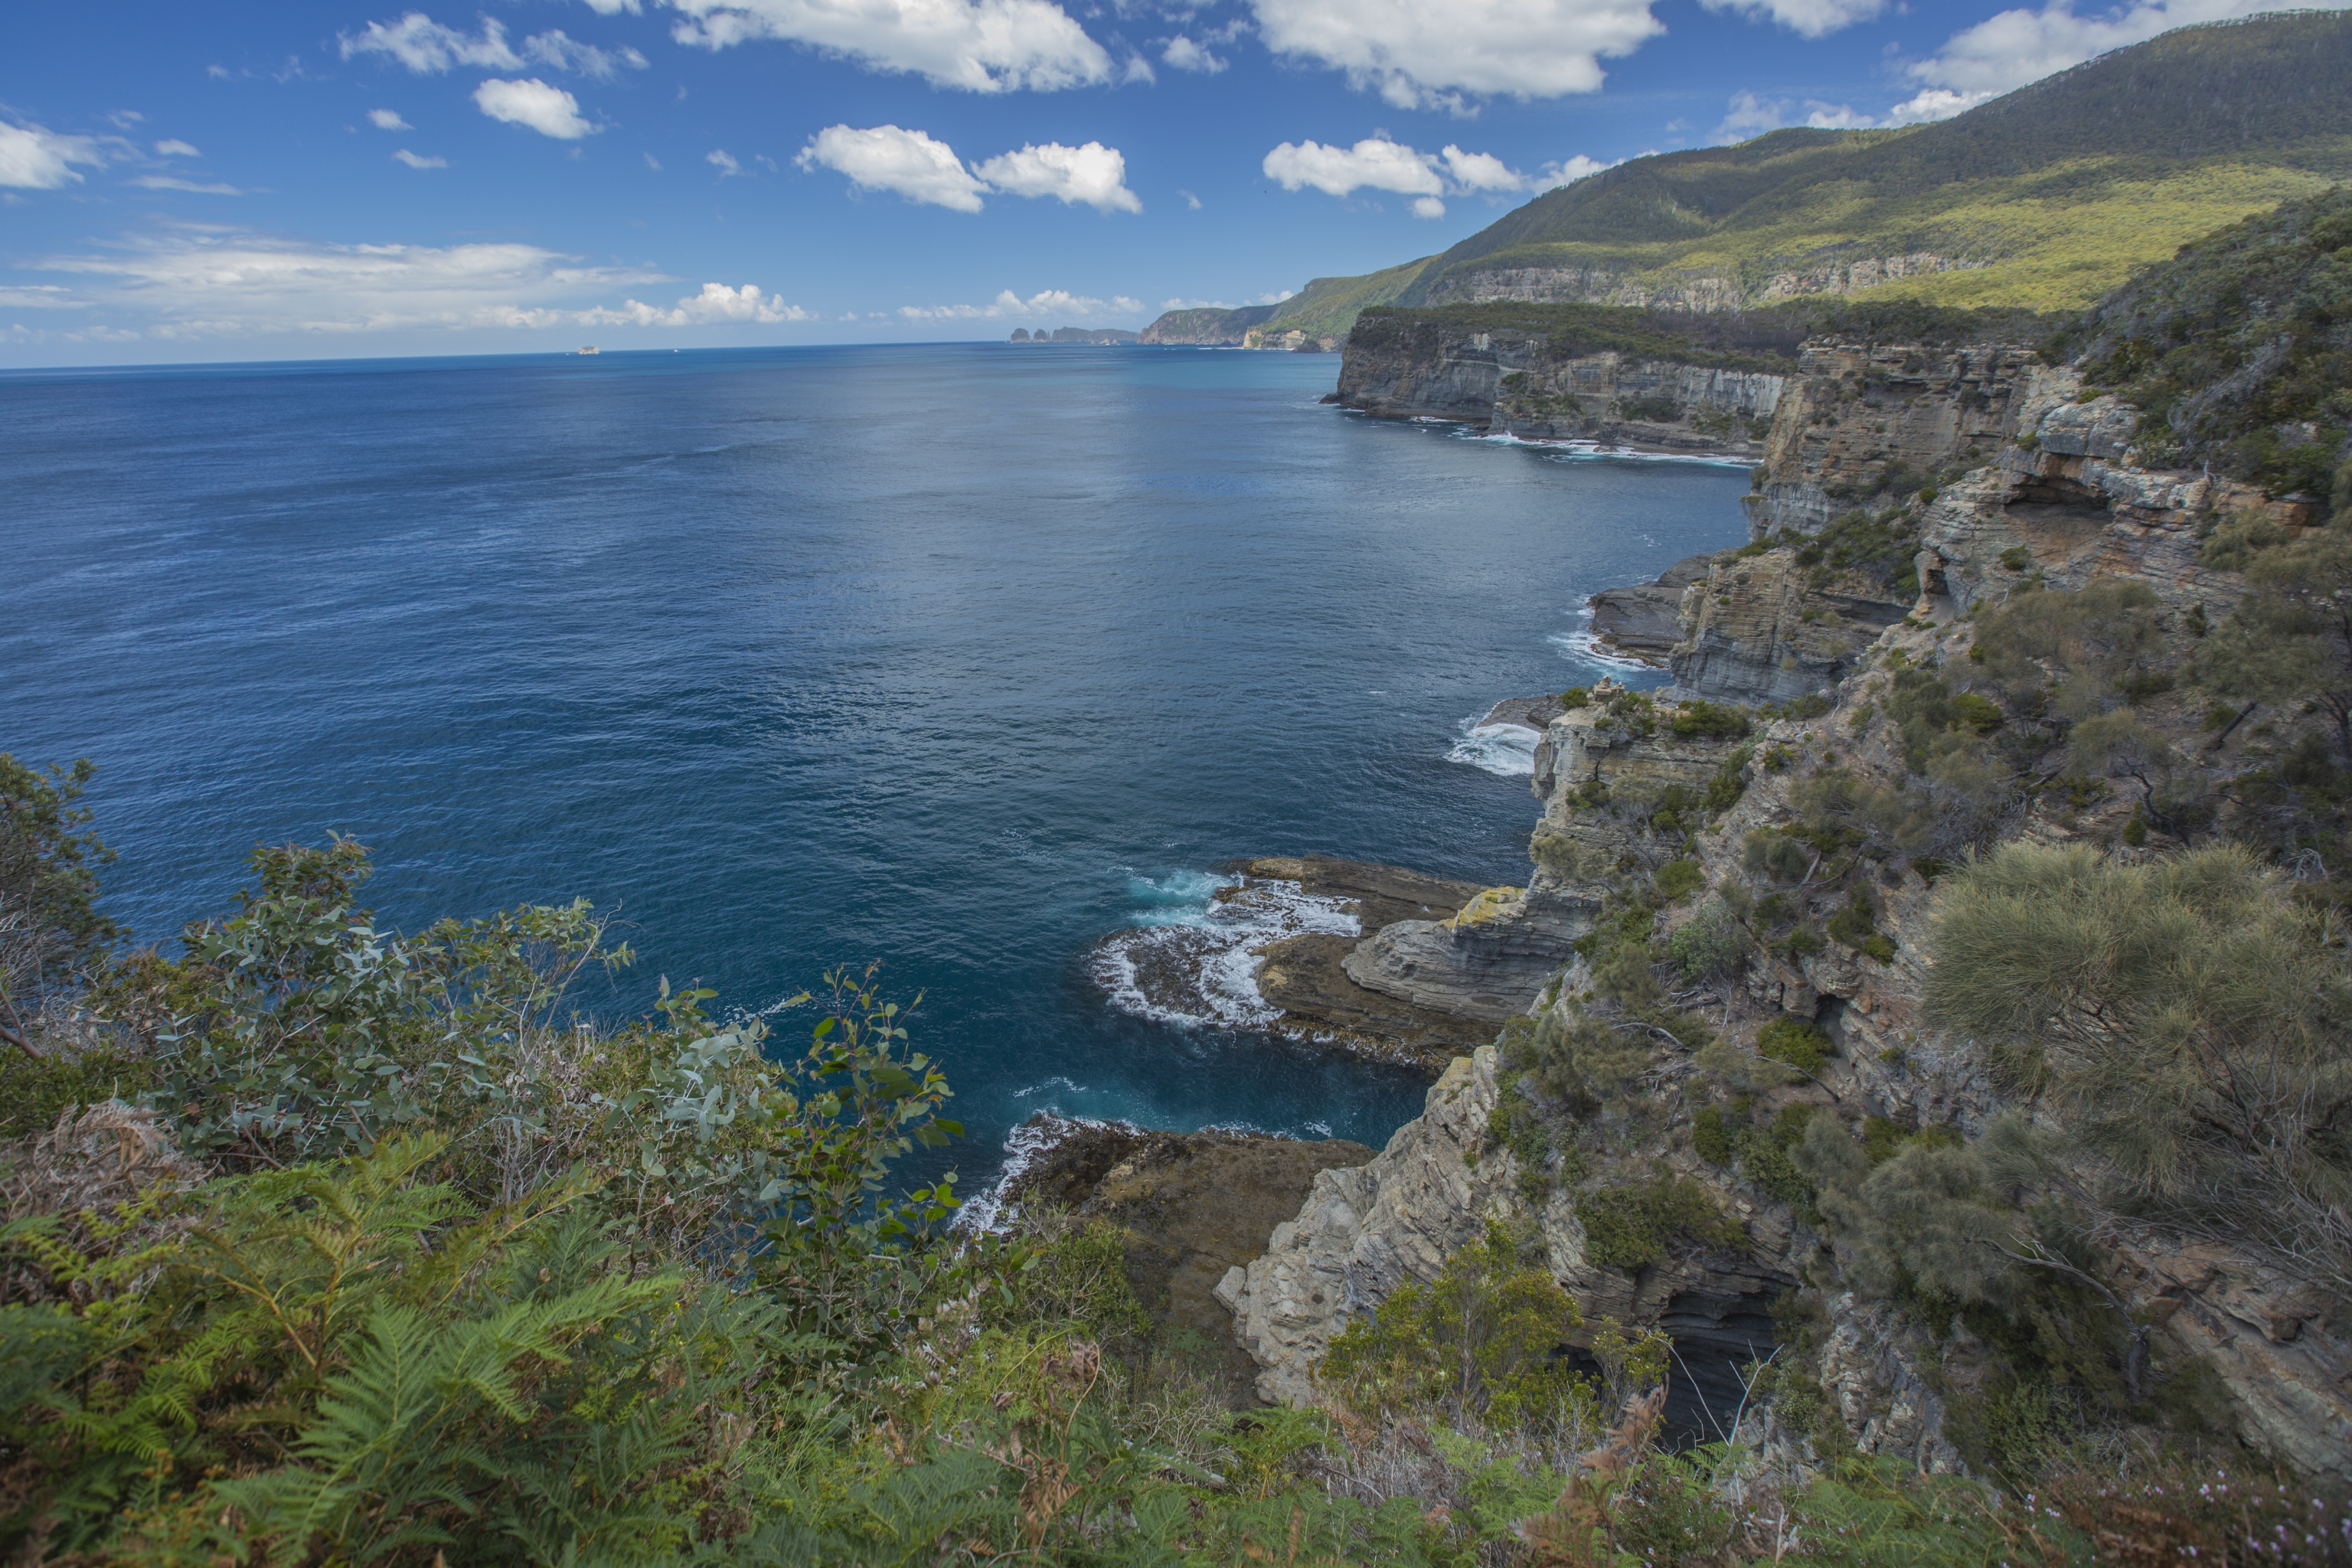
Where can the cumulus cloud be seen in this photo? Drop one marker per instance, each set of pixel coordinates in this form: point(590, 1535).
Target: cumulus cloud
point(425, 47)
point(1568, 171)
point(887, 158)
point(1378, 164)
point(922, 168)
point(388, 120)
point(549, 110)
point(1187, 56)
point(1748, 115)
point(614, 7)
point(1810, 18)
point(1373, 163)
point(724, 161)
point(1432, 53)
point(714, 305)
point(173, 148)
point(1094, 173)
point(1057, 304)
point(35, 158)
point(415, 161)
point(980, 45)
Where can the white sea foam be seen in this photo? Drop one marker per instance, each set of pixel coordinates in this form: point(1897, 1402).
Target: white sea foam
point(1506, 751)
point(987, 1211)
point(1190, 957)
point(1580, 450)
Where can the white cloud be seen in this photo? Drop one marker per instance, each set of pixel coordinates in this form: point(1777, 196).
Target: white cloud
point(1481, 170)
point(1057, 304)
point(614, 7)
point(173, 148)
point(388, 120)
point(887, 158)
point(1811, 18)
point(980, 45)
point(424, 46)
point(35, 158)
point(653, 163)
point(206, 282)
point(717, 304)
point(1187, 56)
point(720, 160)
point(1566, 172)
point(1431, 53)
point(1094, 173)
point(1748, 116)
point(174, 183)
point(549, 110)
point(1936, 103)
point(566, 53)
point(1190, 201)
point(1380, 165)
point(1375, 164)
point(415, 161)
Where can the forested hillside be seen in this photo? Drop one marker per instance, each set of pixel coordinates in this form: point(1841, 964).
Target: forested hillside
point(2045, 198)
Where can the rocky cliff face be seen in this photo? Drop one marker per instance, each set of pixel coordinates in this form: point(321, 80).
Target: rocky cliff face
point(1680, 289)
point(1206, 328)
point(1512, 381)
point(1860, 418)
point(2062, 503)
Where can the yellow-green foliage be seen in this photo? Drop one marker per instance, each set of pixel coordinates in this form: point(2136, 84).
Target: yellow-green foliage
point(2185, 1018)
point(1482, 1337)
point(1630, 1226)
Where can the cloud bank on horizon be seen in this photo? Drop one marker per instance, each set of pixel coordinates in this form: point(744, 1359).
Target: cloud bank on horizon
point(556, 178)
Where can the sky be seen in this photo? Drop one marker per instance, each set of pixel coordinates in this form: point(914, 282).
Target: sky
point(343, 178)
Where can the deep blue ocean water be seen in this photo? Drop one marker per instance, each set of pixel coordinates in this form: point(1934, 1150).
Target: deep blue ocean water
point(957, 656)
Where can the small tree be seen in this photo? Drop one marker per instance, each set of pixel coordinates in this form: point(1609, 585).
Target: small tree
point(2291, 639)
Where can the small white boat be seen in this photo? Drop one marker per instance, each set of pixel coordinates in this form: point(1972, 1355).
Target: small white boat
point(591, 348)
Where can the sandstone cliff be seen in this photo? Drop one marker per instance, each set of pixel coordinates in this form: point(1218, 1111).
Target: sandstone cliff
point(1532, 385)
point(2047, 496)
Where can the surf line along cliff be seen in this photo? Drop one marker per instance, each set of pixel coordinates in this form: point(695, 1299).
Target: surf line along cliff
point(1908, 487)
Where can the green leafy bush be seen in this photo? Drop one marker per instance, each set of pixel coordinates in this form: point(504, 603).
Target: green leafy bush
point(1698, 718)
point(1480, 1338)
point(1630, 1226)
point(1678, 880)
point(1796, 1041)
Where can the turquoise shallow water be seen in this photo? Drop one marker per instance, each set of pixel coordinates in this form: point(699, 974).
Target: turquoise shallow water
point(957, 657)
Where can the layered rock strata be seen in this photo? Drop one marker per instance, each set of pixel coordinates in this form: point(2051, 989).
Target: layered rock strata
point(1858, 415)
point(1679, 289)
point(1521, 383)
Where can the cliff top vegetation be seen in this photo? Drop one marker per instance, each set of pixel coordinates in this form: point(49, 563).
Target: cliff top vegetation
point(2051, 196)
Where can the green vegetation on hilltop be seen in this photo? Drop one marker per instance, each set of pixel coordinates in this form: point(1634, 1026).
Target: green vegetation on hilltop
point(1765, 339)
point(2051, 195)
point(2239, 351)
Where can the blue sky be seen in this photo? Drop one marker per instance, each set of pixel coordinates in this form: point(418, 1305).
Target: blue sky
point(343, 178)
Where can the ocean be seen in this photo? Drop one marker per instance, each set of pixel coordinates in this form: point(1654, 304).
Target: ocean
point(954, 657)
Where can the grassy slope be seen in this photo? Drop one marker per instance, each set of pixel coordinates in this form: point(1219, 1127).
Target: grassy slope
point(2068, 185)
point(1327, 306)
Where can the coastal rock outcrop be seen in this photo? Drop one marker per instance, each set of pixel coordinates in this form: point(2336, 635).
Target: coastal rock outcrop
point(1644, 620)
point(1364, 1232)
point(1682, 289)
point(1767, 628)
point(1190, 1208)
point(1530, 385)
point(1862, 418)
